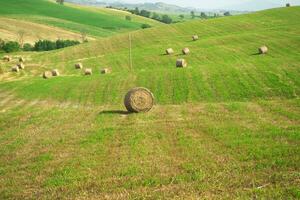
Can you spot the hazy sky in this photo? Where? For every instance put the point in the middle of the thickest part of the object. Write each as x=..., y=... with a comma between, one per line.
x=217, y=4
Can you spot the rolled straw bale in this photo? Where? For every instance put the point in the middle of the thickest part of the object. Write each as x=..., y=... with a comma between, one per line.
x=55, y=72
x=78, y=66
x=263, y=50
x=47, y=74
x=88, y=71
x=21, y=59
x=105, y=71
x=15, y=69
x=195, y=37
x=21, y=65
x=169, y=51
x=186, y=51
x=139, y=100
x=181, y=63
x=7, y=58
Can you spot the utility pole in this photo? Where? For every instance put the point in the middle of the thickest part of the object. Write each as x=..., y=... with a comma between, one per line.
x=130, y=53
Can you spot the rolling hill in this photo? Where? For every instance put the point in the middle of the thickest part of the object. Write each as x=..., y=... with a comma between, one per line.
x=64, y=19
x=225, y=127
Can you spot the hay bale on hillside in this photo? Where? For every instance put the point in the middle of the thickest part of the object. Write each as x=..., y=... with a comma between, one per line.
x=106, y=71
x=88, y=72
x=263, y=50
x=21, y=59
x=15, y=69
x=21, y=65
x=7, y=58
x=181, y=63
x=186, y=51
x=288, y=5
x=139, y=100
x=47, y=74
x=169, y=51
x=78, y=66
x=195, y=37
x=55, y=72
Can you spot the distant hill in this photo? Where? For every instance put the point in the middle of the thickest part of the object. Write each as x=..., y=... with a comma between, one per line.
x=42, y=19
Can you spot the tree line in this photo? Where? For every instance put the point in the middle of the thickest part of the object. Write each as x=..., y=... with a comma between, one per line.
x=41, y=45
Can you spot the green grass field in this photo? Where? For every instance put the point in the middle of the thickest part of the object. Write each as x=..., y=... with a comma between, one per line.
x=95, y=22
x=226, y=127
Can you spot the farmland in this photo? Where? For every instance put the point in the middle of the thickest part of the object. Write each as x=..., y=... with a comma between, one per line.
x=225, y=127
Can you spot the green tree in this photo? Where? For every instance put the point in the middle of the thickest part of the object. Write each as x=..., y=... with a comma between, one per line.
x=181, y=16
x=60, y=1
x=27, y=47
x=166, y=19
x=128, y=18
x=145, y=13
x=203, y=15
x=227, y=13
x=193, y=14
x=11, y=47
x=155, y=16
x=145, y=26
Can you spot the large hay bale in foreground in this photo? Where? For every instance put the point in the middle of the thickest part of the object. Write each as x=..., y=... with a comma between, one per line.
x=169, y=51
x=78, y=66
x=181, y=63
x=6, y=58
x=55, y=72
x=288, y=5
x=15, y=69
x=139, y=100
x=106, y=71
x=263, y=50
x=186, y=51
x=88, y=72
x=21, y=65
x=47, y=74
x=195, y=37
x=21, y=59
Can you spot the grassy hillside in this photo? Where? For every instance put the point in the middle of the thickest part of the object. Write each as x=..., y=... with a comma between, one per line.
x=68, y=17
x=226, y=127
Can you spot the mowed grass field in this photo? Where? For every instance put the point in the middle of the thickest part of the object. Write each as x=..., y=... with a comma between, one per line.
x=94, y=22
x=226, y=127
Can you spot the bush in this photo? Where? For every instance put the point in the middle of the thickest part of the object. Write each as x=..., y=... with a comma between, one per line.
x=128, y=18
x=47, y=45
x=166, y=19
x=27, y=47
x=11, y=47
x=145, y=26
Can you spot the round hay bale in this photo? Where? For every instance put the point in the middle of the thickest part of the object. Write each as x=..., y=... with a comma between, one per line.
x=15, y=69
x=263, y=50
x=105, y=71
x=55, y=72
x=186, y=51
x=78, y=66
x=195, y=37
x=21, y=59
x=288, y=5
x=7, y=58
x=181, y=63
x=47, y=74
x=139, y=100
x=88, y=72
x=21, y=65
x=169, y=51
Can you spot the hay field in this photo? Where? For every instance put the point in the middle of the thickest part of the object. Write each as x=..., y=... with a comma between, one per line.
x=225, y=127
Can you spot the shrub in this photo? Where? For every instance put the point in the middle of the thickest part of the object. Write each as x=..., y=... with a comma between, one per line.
x=27, y=47
x=145, y=26
x=11, y=46
x=166, y=19
x=47, y=45
x=128, y=18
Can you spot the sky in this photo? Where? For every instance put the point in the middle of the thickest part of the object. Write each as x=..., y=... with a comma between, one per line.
x=219, y=4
